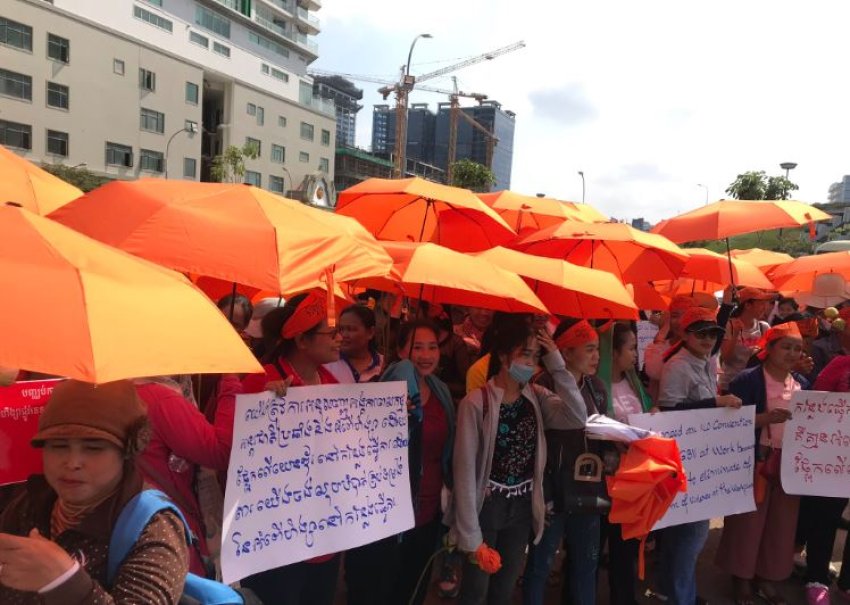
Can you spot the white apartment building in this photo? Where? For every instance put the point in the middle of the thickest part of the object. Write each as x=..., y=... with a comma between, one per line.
x=135, y=88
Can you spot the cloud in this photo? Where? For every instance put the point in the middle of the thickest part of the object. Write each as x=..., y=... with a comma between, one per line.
x=643, y=172
x=567, y=105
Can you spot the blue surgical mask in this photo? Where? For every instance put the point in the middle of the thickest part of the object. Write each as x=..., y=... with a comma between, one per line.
x=521, y=372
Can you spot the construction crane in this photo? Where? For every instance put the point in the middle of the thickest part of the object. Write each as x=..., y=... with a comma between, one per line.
x=455, y=113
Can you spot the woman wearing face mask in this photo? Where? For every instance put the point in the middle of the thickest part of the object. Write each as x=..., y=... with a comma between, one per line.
x=689, y=382
x=306, y=344
x=757, y=548
x=359, y=359
x=499, y=460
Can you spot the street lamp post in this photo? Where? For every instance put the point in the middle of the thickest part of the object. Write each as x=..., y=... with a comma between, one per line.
x=581, y=174
x=706, y=192
x=191, y=128
x=290, y=179
x=788, y=167
x=405, y=88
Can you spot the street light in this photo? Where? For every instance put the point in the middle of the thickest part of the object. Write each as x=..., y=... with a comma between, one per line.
x=406, y=85
x=581, y=174
x=788, y=167
x=191, y=128
x=290, y=178
x=706, y=192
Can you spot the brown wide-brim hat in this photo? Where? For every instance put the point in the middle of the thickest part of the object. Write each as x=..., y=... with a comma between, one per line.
x=79, y=410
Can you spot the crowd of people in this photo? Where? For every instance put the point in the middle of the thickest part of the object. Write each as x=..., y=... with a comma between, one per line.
x=497, y=411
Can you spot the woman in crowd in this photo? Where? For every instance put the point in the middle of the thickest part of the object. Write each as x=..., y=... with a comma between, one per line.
x=306, y=343
x=578, y=343
x=499, y=458
x=744, y=332
x=757, y=548
x=689, y=382
x=359, y=359
x=473, y=327
x=54, y=544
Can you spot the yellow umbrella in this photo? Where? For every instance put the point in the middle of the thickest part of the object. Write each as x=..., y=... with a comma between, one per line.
x=25, y=184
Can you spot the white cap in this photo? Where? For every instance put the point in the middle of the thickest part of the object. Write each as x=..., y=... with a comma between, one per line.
x=254, y=329
x=828, y=290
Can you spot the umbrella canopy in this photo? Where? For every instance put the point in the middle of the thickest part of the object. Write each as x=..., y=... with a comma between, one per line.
x=800, y=274
x=649, y=298
x=629, y=254
x=29, y=186
x=233, y=232
x=705, y=265
x=416, y=210
x=74, y=307
x=527, y=213
x=648, y=479
x=567, y=289
x=437, y=274
x=766, y=260
x=735, y=217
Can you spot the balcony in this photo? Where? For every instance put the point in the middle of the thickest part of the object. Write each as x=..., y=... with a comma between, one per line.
x=313, y=5
x=287, y=6
x=266, y=21
x=309, y=20
x=325, y=106
x=303, y=41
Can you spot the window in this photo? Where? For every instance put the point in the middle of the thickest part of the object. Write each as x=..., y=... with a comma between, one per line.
x=255, y=143
x=18, y=136
x=281, y=121
x=276, y=183
x=119, y=155
x=15, y=34
x=147, y=80
x=326, y=137
x=304, y=157
x=58, y=49
x=190, y=168
x=198, y=39
x=152, y=19
x=16, y=85
x=261, y=116
x=192, y=93
x=265, y=69
x=280, y=75
x=278, y=153
x=212, y=21
x=306, y=131
x=154, y=2
x=152, y=121
x=57, y=143
x=57, y=95
x=251, y=109
x=253, y=178
x=118, y=67
x=324, y=165
x=221, y=49
x=151, y=160
x=264, y=42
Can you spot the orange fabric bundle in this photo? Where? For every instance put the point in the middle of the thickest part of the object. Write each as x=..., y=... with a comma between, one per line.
x=578, y=335
x=309, y=314
x=488, y=559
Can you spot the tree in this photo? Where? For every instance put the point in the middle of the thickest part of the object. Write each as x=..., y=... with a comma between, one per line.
x=779, y=188
x=79, y=177
x=229, y=167
x=472, y=175
x=756, y=185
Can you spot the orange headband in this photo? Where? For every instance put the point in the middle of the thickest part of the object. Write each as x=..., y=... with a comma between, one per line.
x=577, y=335
x=787, y=330
x=308, y=314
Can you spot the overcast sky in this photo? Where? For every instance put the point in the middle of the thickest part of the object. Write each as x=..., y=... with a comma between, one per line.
x=647, y=97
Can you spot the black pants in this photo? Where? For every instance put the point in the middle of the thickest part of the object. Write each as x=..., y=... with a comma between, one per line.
x=817, y=526
x=622, y=563
x=297, y=584
x=417, y=547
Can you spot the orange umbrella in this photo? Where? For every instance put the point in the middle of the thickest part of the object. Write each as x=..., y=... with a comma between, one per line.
x=706, y=265
x=29, y=186
x=416, y=210
x=430, y=272
x=766, y=260
x=647, y=297
x=629, y=254
x=98, y=314
x=526, y=213
x=799, y=275
x=232, y=232
x=568, y=289
x=726, y=218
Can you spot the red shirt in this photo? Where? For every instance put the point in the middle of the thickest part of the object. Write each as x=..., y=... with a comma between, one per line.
x=435, y=431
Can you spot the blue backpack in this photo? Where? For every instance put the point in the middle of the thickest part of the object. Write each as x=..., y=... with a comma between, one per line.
x=133, y=520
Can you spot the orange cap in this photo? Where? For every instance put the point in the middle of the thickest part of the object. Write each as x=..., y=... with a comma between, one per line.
x=694, y=315
x=308, y=314
x=745, y=294
x=786, y=330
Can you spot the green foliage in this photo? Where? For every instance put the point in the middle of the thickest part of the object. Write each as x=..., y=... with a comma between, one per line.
x=756, y=185
x=779, y=188
x=229, y=167
x=79, y=177
x=472, y=175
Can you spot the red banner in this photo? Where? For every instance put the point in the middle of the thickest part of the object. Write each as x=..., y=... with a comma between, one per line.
x=21, y=405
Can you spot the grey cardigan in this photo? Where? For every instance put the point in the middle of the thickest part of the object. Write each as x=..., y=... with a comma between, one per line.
x=475, y=442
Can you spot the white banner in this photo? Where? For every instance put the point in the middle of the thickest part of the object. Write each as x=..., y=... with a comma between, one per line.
x=319, y=471
x=717, y=451
x=646, y=332
x=816, y=445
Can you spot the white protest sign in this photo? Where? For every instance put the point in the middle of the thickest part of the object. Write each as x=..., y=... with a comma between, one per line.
x=646, y=332
x=816, y=445
x=319, y=471
x=717, y=447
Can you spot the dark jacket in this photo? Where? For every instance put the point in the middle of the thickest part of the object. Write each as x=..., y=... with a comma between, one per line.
x=751, y=387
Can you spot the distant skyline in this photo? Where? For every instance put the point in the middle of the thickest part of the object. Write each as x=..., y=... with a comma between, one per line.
x=647, y=98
